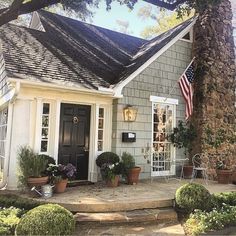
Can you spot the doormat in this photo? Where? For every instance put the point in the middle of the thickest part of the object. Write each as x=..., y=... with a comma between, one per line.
x=75, y=183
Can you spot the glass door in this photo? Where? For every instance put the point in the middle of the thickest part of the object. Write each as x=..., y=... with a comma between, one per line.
x=162, y=150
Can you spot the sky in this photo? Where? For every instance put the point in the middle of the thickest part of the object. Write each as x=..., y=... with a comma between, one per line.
x=120, y=18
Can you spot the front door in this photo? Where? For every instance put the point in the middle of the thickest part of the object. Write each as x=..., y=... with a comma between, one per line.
x=74, y=138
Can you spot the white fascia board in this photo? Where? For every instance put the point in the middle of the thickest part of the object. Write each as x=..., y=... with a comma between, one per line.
x=164, y=100
x=7, y=97
x=59, y=87
x=118, y=88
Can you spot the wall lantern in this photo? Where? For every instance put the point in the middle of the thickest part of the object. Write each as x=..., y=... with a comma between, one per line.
x=130, y=113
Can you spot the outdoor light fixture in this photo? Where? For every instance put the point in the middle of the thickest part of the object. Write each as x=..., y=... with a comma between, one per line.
x=130, y=113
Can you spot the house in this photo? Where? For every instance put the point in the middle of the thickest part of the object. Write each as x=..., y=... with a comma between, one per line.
x=71, y=90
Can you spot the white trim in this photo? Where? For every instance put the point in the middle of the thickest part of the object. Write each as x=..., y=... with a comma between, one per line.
x=191, y=36
x=164, y=100
x=118, y=88
x=57, y=129
x=38, y=126
x=7, y=97
x=37, y=84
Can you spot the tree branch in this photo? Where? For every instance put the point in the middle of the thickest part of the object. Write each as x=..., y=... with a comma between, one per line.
x=17, y=8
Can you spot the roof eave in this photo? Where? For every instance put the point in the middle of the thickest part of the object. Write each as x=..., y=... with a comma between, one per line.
x=119, y=87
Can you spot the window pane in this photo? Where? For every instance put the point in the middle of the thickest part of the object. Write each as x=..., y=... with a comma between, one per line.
x=100, y=145
x=44, y=146
x=45, y=121
x=100, y=124
x=101, y=112
x=46, y=108
x=45, y=133
x=100, y=134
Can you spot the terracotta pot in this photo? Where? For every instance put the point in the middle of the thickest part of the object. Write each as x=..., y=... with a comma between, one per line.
x=224, y=176
x=133, y=175
x=37, y=181
x=60, y=186
x=187, y=172
x=113, y=182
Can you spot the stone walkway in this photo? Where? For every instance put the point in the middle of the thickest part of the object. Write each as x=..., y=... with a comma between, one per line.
x=131, y=229
x=99, y=198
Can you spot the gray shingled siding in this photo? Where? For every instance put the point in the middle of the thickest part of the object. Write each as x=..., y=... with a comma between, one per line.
x=157, y=80
x=3, y=84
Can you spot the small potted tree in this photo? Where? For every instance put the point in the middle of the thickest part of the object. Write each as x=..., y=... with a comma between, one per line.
x=182, y=137
x=130, y=171
x=32, y=167
x=106, y=159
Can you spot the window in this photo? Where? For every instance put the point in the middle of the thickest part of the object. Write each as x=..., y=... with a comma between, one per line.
x=45, y=128
x=101, y=129
x=163, y=121
x=3, y=134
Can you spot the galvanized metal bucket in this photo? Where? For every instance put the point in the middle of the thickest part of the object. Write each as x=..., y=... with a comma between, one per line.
x=47, y=191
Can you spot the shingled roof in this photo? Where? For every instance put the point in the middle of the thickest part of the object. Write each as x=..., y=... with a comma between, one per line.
x=76, y=53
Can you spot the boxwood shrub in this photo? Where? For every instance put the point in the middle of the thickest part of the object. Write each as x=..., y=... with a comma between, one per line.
x=48, y=219
x=193, y=196
x=8, y=200
x=107, y=157
x=220, y=199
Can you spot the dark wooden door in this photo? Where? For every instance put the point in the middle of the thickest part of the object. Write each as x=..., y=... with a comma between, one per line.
x=74, y=138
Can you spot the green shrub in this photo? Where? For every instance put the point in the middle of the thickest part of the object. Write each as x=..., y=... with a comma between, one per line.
x=218, y=200
x=193, y=196
x=107, y=158
x=30, y=165
x=8, y=200
x=48, y=219
x=203, y=222
x=128, y=162
x=9, y=218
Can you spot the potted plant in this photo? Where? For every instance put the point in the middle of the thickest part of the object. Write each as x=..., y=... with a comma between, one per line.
x=107, y=158
x=59, y=175
x=182, y=137
x=130, y=171
x=32, y=167
x=223, y=172
x=223, y=161
x=112, y=173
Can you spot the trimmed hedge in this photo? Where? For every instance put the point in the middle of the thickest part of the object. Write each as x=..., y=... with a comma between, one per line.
x=193, y=196
x=219, y=200
x=8, y=200
x=107, y=157
x=48, y=219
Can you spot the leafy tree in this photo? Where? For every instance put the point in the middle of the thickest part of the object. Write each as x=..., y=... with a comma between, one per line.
x=164, y=21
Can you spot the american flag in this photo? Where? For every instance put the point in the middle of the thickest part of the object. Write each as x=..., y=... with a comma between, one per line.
x=185, y=83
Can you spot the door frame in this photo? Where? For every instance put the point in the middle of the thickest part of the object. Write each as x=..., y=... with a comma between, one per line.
x=174, y=102
x=92, y=168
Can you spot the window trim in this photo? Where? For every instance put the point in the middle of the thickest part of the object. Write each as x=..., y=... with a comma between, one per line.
x=49, y=127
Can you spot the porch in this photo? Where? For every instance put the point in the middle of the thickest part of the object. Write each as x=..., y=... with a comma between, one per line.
x=146, y=195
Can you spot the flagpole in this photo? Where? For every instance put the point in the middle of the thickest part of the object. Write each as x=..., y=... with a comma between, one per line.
x=172, y=89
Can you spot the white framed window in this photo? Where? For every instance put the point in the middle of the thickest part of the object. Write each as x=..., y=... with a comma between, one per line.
x=101, y=122
x=45, y=127
x=3, y=135
x=163, y=122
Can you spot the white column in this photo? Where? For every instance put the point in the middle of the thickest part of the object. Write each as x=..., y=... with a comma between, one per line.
x=38, y=125
x=57, y=129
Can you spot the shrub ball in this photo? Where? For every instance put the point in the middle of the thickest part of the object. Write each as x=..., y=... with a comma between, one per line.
x=193, y=196
x=107, y=158
x=48, y=219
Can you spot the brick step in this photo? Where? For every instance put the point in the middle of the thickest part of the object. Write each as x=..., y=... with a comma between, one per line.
x=159, y=215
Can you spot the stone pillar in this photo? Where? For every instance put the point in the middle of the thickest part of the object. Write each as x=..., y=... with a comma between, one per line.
x=214, y=86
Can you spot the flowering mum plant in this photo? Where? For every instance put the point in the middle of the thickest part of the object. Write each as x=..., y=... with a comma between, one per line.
x=111, y=170
x=58, y=172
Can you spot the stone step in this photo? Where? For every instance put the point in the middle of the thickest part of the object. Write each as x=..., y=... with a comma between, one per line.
x=101, y=205
x=145, y=215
